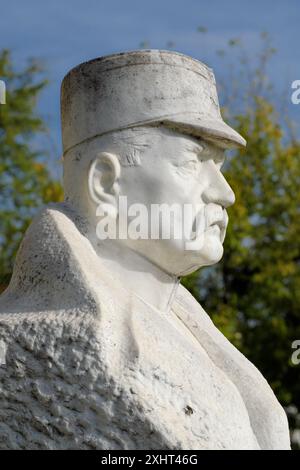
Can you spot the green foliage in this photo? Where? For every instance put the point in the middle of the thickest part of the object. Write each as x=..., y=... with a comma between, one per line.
x=25, y=183
x=253, y=294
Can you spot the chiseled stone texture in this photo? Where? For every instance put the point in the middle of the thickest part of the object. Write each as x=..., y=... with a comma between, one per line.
x=56, y=392
x=86, y=365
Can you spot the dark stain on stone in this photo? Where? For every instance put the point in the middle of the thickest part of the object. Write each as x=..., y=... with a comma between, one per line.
x=188, y=410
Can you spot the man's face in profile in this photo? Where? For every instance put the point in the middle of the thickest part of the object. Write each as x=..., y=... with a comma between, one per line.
x=178, y=169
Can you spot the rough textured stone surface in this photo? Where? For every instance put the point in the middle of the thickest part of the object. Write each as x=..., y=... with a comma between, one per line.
x=89, y=366
x=100, y=348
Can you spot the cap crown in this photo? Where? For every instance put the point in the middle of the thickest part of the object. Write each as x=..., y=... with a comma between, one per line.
x=134, y=88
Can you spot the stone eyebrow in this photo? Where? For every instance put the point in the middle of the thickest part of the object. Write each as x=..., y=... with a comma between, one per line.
x=206, y=150
x=212, y=151
x=193, y=147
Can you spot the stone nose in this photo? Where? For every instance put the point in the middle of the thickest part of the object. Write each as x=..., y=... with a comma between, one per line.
x=218, y=190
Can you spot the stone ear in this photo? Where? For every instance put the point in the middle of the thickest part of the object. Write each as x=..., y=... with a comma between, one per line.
x=103, y=178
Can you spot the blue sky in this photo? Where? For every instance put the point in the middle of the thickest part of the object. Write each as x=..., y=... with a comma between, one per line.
x=63, y=33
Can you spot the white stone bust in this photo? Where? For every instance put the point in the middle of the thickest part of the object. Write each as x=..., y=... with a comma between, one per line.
x=104, y=348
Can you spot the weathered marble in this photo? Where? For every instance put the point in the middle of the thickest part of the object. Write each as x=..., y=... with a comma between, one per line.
x=89, y=365
x=100, y=347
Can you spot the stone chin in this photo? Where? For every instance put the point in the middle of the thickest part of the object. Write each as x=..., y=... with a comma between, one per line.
x=211, y=253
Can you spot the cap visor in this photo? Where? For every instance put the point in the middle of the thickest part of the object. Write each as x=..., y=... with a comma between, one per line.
x=215, y=130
